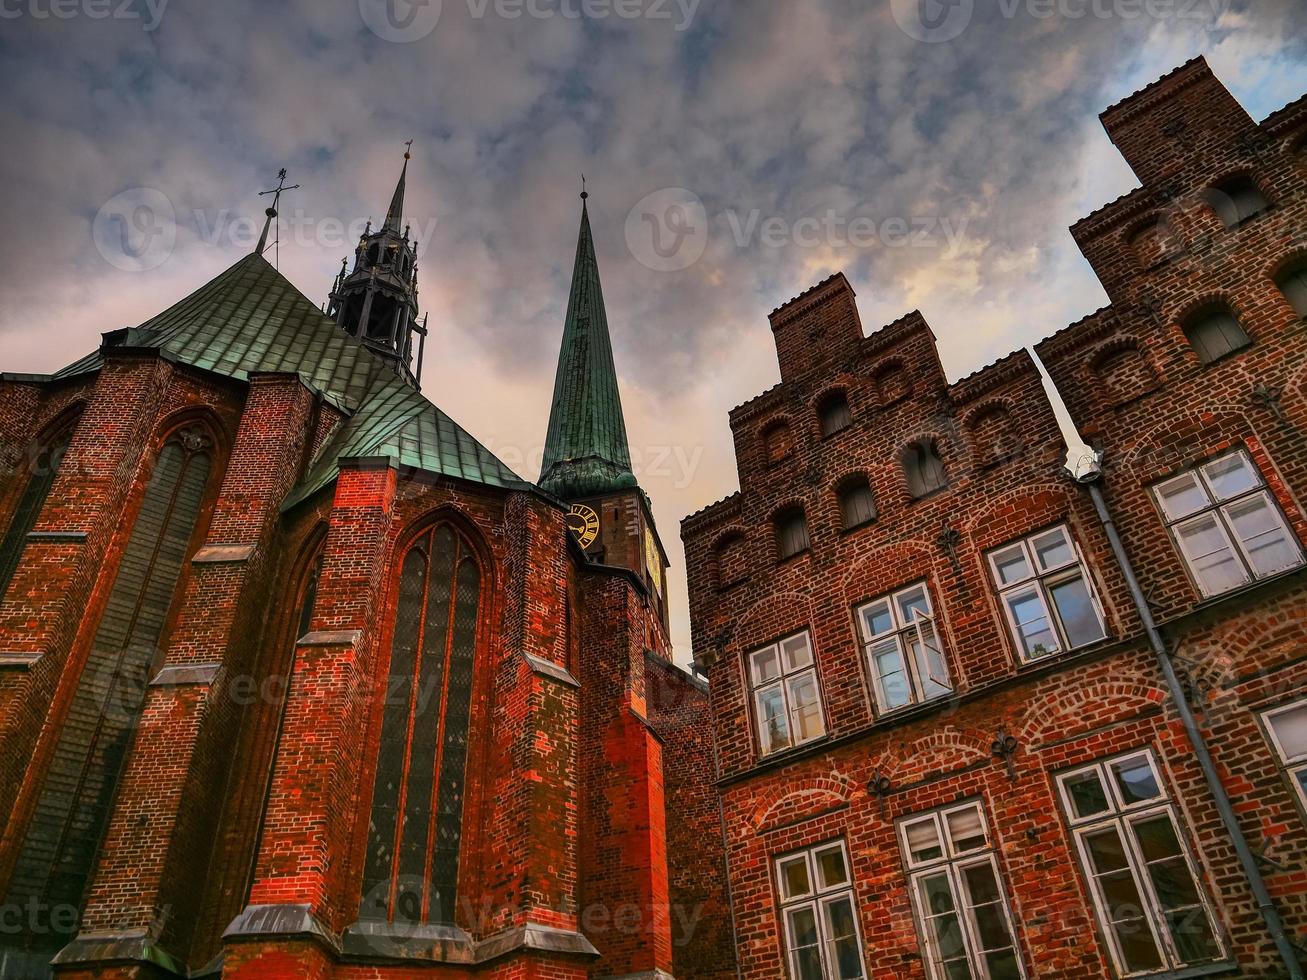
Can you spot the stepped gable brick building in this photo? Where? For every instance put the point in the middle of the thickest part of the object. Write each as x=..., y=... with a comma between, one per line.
x=298, y=680
x=951, y=741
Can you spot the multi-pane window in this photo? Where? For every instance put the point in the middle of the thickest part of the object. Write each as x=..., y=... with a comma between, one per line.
x=1044, y=589
x=818, y=914
x=904, y=656
x=962, y=912
x=1228, y=528
x=410, y=870
x=1287, y=727
x=1141, y=876
x=786, y=700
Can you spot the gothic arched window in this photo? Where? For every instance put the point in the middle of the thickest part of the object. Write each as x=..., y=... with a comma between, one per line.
x=72, y=810
x=410, y=872
x=43, y=467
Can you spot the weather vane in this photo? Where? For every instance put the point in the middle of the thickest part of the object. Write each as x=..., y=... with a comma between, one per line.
x=271, y=213
x=585, y=194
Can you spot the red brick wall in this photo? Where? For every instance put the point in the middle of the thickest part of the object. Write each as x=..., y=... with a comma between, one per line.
x=1106, y=698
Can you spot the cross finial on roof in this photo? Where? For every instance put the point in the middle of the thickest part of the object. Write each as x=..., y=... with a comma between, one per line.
x=271, y=213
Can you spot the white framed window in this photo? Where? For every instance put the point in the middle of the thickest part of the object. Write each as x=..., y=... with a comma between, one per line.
x=905, y=660
x=786, y=699
x=818, y=914
x=1228, y=528
x=1150, y=906
x=1046, y=595
x=957, y=895
x=1287, y=728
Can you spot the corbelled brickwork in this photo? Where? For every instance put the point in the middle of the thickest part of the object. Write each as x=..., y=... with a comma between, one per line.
x=1011, y=725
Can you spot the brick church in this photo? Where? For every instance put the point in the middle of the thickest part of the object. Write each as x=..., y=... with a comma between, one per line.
x=298, y=680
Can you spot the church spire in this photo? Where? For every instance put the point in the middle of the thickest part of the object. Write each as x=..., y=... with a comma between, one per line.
x=395, y=213
x=586, y=451
x=378, y=301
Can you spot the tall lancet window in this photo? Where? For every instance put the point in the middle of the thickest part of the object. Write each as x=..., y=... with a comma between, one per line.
x=43, y=467
x=72, y=810
x=410, y=871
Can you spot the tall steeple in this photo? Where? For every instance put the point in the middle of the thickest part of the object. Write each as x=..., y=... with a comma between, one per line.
x=395, y=213
x=586, y=452
x=378, y=301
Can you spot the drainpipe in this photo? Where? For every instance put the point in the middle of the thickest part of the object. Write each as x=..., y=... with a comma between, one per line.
x=1090, y=476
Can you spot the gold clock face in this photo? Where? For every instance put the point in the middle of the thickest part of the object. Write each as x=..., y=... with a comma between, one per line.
x=653, y=561
x=584, y=523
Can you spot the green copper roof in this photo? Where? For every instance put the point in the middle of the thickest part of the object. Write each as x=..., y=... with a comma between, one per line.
x=251, y=319
x=586, y=452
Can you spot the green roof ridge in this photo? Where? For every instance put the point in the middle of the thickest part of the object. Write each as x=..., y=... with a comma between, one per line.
x=586, y=450
x=250, y=319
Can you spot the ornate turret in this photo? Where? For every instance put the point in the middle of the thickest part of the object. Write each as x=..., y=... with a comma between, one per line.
x=378, y=301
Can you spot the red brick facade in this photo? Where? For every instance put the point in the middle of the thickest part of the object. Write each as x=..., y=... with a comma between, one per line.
x=1005, y=727
x=236, y=837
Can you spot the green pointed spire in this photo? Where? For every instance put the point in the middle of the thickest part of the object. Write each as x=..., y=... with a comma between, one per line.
x=395, y=214
x=586, y=452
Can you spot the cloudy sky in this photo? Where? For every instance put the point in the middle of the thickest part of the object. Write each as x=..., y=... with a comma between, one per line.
x=736, y=152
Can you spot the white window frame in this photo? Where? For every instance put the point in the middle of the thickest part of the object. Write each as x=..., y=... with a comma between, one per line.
x=952, y=862
x=1293, y=766
x=1216, y=508
x=817, y=898
x=902, y=633
x=1043, y=579
x=791, y=672
x=1121, y=816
